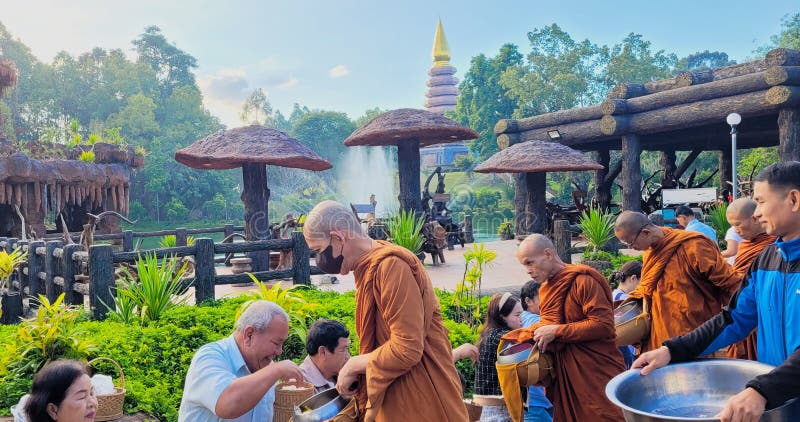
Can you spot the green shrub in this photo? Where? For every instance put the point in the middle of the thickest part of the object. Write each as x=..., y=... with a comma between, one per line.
x=405, y=229
x=156, y=288
x=597, y=227
x=87, y=157
x=719, y=220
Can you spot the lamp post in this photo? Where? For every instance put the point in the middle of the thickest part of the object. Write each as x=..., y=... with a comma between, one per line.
x=734, y=119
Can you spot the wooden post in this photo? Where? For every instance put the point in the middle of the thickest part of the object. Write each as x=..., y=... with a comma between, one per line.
x=631, y=173
x=602, y=189
x=789, y=134
x=535, y=184
x=301, y=255
x=228, y=230
x=468, y=234
x=36, y=264
x=520, y=199
x=562, y=238
x=408, y=171
x=726, y=170
x=127, y=240
x=51, y=268
x=101, y=279
x=181, y=237
x=11, y=305
x=204, y=273
x=69, y=270
x=22, y=279
x=256, y=216
x=668, y=168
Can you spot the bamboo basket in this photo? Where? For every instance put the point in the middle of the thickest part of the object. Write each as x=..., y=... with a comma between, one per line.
x=286, y=400
x=109, y=406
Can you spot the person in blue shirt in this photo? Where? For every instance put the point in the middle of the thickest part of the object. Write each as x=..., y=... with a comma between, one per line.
x=627, y=278
x=234, y=378
x=685, y=217
x=539, y=408
x=768, y=300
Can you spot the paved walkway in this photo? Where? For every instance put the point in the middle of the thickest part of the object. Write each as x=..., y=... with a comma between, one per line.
x=505, y=273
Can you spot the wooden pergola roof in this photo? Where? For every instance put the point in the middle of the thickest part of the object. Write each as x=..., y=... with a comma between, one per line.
x=686, y=112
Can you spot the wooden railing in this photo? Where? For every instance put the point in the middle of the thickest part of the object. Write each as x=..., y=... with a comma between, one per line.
x=53, y=268
x=128, y=237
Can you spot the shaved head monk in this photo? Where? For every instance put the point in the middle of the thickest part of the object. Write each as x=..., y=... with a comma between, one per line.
x=684, y=277
x=577, y=326
x=740, y=214
x=405, y=367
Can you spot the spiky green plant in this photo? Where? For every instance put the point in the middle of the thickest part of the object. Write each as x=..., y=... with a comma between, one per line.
x=405, y=229
x=157, y=287
x=719, y=220
x=298, y=309
x=9, y=263
x=170, y=241
x=597, y=226
x=87, y=157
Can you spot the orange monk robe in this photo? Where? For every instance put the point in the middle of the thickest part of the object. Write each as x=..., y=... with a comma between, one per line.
x=747, y=253
x=410, y=371
x=584, y=350
x=687, y=281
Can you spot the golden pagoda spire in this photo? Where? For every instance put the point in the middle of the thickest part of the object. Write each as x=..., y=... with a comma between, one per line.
x=441, y=52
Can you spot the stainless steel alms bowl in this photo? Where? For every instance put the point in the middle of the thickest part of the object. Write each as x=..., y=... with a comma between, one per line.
x=320, y=407
x=514, y=353
x=693, y=391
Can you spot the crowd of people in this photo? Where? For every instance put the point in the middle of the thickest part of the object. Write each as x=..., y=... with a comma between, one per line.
x=700, y=305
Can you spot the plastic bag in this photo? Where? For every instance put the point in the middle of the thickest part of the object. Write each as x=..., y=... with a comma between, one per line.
x=103, y=384
x=18, y=410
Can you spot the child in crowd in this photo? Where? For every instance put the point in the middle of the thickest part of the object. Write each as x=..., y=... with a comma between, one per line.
x=503, y=315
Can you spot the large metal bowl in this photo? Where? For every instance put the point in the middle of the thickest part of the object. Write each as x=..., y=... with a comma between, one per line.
x=320, y=407
x=514, y=353
x=693, y=391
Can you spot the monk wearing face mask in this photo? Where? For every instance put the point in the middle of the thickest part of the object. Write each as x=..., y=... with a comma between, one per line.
x=405, y=367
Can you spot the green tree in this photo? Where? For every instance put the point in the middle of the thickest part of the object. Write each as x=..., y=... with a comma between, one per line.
x=172, y=65
x=559, y=73
x=703, y=60
x=324, y=132
x=369, y=115
x=176, y=211
x=256, y=108
x=137, y=120
x=789, y=37
x=633, y=61
x=483, y=100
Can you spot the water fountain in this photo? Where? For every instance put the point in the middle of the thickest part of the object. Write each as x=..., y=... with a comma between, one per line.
x=366, y=171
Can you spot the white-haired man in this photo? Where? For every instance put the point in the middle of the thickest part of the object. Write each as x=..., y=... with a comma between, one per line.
x=234, y=378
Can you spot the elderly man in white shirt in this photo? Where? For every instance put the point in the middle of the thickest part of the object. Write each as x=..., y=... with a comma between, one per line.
x=234, y=378
x=328, y=347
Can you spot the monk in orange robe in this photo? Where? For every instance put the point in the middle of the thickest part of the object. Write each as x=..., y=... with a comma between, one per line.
x=684, y=276
x=405, y=368
x=577, y=326
x=740, y=216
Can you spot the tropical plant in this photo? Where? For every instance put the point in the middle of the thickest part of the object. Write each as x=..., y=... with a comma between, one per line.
x=597, y=226
x=52, y=334
x=506, y=228
x=466, y=300
x=405, y=230
x=170, y=241
x=719, y=220
x=9, y=263
x=298, y=309
x=87, y=157
x=157, y=287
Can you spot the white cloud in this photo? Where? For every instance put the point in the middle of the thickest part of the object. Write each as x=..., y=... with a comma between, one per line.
x=288, y=83
x=338, y=71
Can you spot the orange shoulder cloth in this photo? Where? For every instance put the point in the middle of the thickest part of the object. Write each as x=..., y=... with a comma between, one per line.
x=553, y=295
x=749, y=250
x=655, y=259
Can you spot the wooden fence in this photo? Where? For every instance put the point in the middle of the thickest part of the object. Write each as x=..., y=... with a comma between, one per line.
x=128, y=237
x=53, y=268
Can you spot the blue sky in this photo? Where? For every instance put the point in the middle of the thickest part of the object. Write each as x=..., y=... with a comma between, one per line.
x=351, y=55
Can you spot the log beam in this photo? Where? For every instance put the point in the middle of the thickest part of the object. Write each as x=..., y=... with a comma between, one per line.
x=560, y=117
x=570, y=134
x=782, y=75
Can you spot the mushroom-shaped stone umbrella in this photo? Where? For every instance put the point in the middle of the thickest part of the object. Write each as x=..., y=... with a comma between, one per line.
x=409, y=129
x=251, y=148
x=535, y=159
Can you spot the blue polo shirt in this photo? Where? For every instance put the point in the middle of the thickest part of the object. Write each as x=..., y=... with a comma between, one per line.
x=697, y=226
x=214, y=367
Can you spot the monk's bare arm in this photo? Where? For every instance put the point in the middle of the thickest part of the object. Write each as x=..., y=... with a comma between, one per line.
x=402, y=308
x=599, y=322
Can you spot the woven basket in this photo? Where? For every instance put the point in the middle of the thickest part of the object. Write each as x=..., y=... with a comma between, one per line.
x=473, y=410
x=109, y=406
x=286, y=400
x=635, y=330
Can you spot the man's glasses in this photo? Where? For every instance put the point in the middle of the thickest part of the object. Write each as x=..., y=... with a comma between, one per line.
x=628, y=245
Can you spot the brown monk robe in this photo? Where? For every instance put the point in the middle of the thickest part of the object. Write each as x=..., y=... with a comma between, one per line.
x=405, y=368
x=740, y=216
x=683, y=275
x=576, y=303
